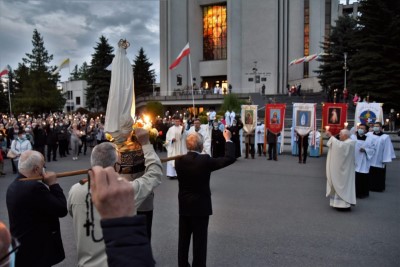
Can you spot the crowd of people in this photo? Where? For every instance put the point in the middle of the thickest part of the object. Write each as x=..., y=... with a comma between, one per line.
x=55, y=135
x=108, y=209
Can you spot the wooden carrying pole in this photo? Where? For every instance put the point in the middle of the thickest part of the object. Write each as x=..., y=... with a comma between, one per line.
x=79, y=172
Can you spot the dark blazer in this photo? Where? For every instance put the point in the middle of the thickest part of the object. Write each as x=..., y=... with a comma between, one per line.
x=126, y=241
x=34, y=212
x=194, y=171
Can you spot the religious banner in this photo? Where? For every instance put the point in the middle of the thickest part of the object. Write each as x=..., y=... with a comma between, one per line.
x=274, y=117
x=368, y=113
x=249, y=117
x=304, y=118
x=334, y=116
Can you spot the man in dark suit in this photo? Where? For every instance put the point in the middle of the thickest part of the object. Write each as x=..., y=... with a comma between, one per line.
x=194, y=171
x=34, y=209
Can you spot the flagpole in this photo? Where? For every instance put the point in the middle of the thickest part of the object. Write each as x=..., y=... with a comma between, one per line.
x=191, y=82
x=9, y=93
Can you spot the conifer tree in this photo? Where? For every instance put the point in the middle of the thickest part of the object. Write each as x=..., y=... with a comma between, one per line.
x=375, y=66
x=331, y=71
x=37, y=91
x=143, y=76
x=99, y=78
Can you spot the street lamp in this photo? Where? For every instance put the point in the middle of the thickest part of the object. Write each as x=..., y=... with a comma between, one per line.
x=345, y=69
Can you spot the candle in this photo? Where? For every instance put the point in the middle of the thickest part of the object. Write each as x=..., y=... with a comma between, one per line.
x=327, y=128
x=346, y=124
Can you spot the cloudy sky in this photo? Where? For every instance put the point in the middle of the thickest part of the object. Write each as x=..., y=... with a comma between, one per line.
x=71, y=28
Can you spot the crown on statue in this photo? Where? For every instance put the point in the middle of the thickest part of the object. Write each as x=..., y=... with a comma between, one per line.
x=123, y=43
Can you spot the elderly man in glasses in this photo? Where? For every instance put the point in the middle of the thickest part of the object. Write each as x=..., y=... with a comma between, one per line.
x=34, y=209
x=89, y=238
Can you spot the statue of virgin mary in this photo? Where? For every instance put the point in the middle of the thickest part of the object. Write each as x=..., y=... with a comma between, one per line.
x=121, y=98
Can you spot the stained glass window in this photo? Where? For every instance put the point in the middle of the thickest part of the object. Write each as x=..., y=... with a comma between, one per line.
x=214, y=32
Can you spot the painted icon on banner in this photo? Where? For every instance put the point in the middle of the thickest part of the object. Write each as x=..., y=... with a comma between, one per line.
x=275, y=116
x=334, y=115
x=249, y=115
x=303, y=118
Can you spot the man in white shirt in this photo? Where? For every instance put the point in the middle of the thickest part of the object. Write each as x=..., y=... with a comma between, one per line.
x=92, y=253
x=204, y=130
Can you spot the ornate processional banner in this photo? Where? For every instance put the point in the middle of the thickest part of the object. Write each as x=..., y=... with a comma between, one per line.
x=275, y=117
x=368, y=113
x=304, y=120
x=249, y=117
x=334, y=115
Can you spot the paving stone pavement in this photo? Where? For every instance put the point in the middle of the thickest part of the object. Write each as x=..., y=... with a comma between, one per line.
x=266, y=213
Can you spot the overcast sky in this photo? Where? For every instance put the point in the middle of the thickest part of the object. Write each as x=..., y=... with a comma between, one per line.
x=71, y=29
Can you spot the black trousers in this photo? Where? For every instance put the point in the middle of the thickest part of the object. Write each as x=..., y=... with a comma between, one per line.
x=51, y=149
x=260, y=148
x=63, y=147
x=377, y=179
x=250, y=149
x=198, y=227
x=149, y=220
x=362, y=185
x=302, y=144
x=272, y=150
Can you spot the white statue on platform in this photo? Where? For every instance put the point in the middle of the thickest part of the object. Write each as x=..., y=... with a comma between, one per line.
x=121, y=98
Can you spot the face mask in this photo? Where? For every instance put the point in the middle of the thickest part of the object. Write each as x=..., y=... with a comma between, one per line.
x=360, y=131
x=376, y=129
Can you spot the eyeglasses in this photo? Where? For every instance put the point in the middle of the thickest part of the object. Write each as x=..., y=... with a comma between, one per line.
x=14, y=247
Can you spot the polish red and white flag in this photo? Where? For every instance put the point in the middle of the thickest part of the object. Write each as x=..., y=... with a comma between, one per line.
x=185, y=51
x=4, y=71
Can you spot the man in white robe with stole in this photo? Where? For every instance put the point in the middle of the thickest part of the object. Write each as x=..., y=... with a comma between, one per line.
x=364, y=151
x=340, y=171
x=384, y=153
x=175, y=144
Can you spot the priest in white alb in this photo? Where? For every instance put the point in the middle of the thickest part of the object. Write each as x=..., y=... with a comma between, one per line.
x=204, y=130
x=340, y=171
x=175, y=142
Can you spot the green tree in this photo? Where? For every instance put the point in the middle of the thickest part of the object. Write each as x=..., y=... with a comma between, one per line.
x=74, y=74
x=143, y=76
x=37, y=89
x=154, y=108
x=331, y=71
x=4, y=107
x=84, y=71
x=98, y=77
x=375, y=66
x=232, y=102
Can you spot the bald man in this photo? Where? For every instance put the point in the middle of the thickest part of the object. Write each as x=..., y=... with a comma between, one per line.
x=340, y=171
x=34, y=209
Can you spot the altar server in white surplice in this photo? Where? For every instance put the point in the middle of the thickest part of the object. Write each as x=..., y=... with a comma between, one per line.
x=365, y=150
x=233, y=117
x=340, y=171
x=228, y=118
x=176, y=145
x=384, y=153
x=260, y=131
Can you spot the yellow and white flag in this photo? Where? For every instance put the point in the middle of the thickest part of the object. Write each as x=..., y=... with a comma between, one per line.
x=63, y=64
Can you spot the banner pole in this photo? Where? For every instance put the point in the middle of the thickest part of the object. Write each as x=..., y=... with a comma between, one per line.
x=191, y=83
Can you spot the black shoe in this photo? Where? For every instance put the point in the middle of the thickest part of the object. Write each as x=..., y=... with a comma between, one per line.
x=299, y=161
x=275, y=159
x=54, y=160
x=49, y=160
x=304, y=161
x=269, y=159
x=172, y=177
x=2, y=173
